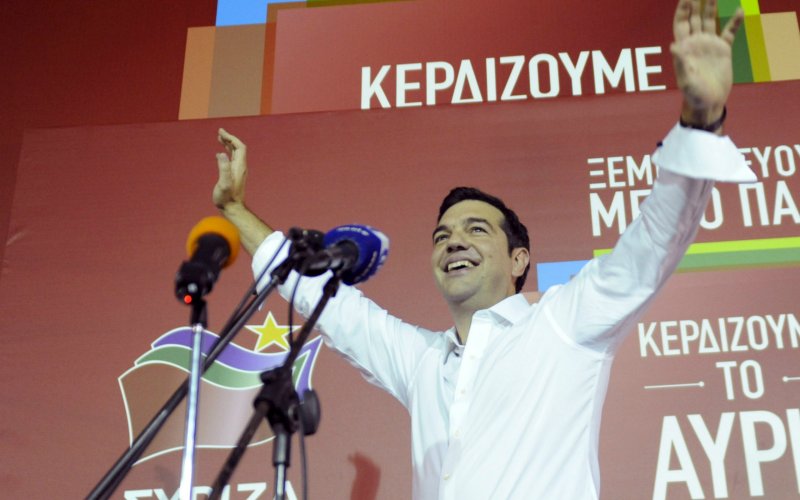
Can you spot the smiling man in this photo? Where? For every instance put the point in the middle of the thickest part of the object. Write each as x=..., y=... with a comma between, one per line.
x=507, y=403
x=481, y=254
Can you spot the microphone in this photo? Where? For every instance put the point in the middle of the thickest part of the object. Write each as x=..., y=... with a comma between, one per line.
x=212, y=245
x=356, y=250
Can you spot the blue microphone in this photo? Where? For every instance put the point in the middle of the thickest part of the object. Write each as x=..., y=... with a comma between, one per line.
x=358, y=251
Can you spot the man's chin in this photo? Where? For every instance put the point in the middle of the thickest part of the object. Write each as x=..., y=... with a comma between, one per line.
x=459, y=295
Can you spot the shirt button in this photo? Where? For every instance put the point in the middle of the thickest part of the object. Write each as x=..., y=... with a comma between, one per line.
x=457, y=434
x=446, y=476
x=462, y=392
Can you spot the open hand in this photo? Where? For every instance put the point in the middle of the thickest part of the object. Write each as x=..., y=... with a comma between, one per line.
x=702, y=58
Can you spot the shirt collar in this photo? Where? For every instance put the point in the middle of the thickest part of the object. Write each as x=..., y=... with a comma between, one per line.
x=511, y=310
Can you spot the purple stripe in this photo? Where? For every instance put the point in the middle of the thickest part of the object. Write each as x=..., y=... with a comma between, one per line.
x=234, y=355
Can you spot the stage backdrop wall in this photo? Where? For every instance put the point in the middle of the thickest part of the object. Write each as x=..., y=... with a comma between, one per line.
x=703, y=396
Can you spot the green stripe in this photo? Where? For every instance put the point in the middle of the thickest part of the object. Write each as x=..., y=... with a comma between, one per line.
x=219, y=374
x=753, y=258
x=734, y=246
x=745, y=245
x=742, y=67
x=726, y=8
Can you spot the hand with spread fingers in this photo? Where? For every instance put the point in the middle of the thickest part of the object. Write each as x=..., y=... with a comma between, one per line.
x=703, y=61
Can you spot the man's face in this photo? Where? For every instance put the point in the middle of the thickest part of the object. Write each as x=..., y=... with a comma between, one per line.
x=471, y=261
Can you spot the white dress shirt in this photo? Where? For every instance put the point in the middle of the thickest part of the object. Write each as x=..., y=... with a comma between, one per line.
x=515, y=413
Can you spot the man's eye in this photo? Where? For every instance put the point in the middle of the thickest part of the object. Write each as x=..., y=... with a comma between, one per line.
x=439, y=237
x=477, y=229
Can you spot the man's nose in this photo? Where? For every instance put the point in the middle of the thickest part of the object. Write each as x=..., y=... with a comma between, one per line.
x=456, y=242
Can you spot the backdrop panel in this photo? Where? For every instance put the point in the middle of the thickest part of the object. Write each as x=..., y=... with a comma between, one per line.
x=102, y=215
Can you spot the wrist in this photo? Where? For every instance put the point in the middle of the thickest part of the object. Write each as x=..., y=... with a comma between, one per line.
x=232, y=209
x=708, y=119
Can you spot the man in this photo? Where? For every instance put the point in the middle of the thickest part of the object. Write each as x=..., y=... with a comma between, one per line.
x=507, y=404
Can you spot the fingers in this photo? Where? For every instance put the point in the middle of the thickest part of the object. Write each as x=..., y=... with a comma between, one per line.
x=230, y=141
x=729, y=31
x=680, y=25
x=710, y=17
x=691, y=18
x=695, y=21
x=223, y=162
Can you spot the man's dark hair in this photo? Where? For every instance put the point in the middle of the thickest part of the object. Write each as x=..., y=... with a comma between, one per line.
x=516, y=232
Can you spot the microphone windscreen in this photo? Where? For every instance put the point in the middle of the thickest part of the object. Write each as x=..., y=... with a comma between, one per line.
x=214, y=225
x=373, y=248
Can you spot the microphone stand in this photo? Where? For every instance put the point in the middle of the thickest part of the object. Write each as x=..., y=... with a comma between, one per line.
x=198, y=320
x=279, y=404
x=111, y=480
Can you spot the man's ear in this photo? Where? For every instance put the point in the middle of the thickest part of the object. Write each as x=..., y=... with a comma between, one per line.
x=520, y=257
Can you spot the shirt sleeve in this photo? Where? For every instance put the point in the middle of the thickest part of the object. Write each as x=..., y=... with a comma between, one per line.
x=386, y=350
x=601, y=304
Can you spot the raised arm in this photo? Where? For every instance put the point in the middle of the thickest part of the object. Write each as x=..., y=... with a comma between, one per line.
x=228, y=195
x=702, y=60
x=601, y=304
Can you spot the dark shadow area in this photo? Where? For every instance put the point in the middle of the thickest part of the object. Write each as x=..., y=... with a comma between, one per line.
x=368, y=477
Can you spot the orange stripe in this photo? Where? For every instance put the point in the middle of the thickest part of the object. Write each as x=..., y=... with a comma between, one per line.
x=238, y=70
x=198, y=62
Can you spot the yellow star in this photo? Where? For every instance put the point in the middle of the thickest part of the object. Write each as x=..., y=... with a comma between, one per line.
x=270, y=333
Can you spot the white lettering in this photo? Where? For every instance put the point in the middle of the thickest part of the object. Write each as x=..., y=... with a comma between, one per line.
x=672, y=439
x=575, y=71
x=738, y=322
x=763, y=159
x=715, y=448
x=508, y=91
x=404, y=86
x=727, y=367
x=754, y=456
x=136, y=494
x=533, y=71
x=603, y=71
x=715, y=206
x=372, y=88
x=757, y=377
x=491, y=80
x=615, y=213
x=257, y=489
x=432, y=85
x=643, y=70
x=793, y=418
x=466, y=74
x=708, y=339
x=784, y=204
x=668, y=337
x=638, y=172
x=784, y=154
x=646, y=340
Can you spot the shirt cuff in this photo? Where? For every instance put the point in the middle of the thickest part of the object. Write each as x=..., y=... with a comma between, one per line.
x=702, y=155
x=264, y=254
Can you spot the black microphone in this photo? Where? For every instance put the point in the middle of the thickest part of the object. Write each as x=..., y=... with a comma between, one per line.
x=212, y=245
x=355, y=250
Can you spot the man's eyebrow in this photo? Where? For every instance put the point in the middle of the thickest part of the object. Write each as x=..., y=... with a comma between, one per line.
x=473, y=220
x=440, y=227
x=467, y=222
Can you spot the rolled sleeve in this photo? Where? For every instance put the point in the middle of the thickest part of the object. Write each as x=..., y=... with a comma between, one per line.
x=702, y=155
